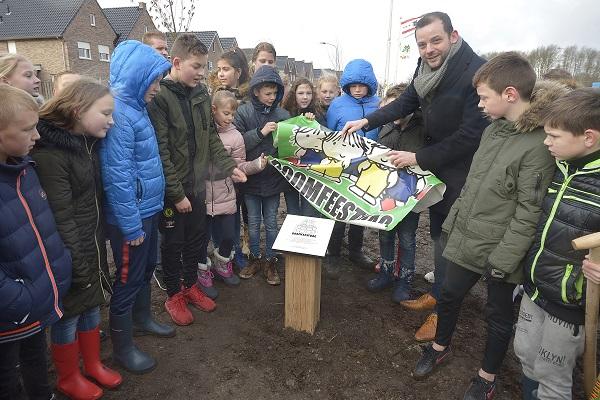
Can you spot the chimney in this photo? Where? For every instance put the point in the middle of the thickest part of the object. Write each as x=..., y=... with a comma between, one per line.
x=142, y=5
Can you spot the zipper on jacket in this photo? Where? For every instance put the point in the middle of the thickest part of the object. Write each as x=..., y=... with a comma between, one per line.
x=40, y=243
x=559, y=196
x=563, y=284
x=98, y=253
x=538, y=186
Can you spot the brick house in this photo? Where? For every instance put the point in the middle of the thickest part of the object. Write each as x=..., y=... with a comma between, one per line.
x=213, y=44
x=130, y=22
x=228, y=43
x=59, y=35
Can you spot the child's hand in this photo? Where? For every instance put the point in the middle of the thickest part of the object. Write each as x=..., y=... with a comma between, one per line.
x=136, y=242
x=238, y=175
x=310, y=116
x=184, y=206
x=591, y=270
x=263, y=161
x=268, y=128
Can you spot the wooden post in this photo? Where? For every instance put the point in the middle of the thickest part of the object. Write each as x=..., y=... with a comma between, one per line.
x=302, y=292
x=592, y=296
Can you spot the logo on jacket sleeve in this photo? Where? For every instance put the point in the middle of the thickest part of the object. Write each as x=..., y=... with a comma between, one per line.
x=43, y=194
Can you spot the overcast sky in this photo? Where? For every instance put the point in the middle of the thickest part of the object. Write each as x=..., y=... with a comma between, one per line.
x=360, y=28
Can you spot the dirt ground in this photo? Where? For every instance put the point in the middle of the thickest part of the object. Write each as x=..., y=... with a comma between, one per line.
x=363, y=347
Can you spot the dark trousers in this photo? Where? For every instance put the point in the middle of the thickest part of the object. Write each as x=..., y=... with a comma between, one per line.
x=135, y=264
x=222, y=228
x=499, y=314
x=183, y=237
x=436, y=221
x=30, y=353
x=355, y=238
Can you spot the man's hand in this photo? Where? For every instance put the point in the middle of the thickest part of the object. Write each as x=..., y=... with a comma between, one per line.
x=184, y=206
x=402, y=159
x=137, y=242
x=591, y=270
x=268, y=128
x=353, y=126
x=238, y=176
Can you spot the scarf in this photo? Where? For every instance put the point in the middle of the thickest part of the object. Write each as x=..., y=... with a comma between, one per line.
x=427, y=79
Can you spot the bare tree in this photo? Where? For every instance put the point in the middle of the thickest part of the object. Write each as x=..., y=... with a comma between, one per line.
x=172, y=16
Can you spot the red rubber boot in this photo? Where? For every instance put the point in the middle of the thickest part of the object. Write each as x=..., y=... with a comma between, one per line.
x=89, y=346
x=70, y=381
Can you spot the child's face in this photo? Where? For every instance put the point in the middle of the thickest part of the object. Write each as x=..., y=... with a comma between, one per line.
x=18, y=137
x=563, y=145
x=97, y=119
x=264, y=58
x=191, y=71
x=304, y=95
x=327, y=92
x=227, y=75
x=491, y=103
x=24, y=78
x=152, y=90
x=266, y=95
x=358, y=90
x=223, y=114
x=387, y=101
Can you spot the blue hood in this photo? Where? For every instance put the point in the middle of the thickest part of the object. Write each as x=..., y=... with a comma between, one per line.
x=359, y=71
x=262, y=75
x=133, y=68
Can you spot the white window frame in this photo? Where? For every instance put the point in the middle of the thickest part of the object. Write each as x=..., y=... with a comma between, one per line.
x=12, y=47
x=92, y=20
x=210, y=65
x=146, y=30
x=103, y=50
x=84, y=46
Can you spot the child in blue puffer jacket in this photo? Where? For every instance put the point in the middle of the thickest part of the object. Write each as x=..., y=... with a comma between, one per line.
x=359, y=99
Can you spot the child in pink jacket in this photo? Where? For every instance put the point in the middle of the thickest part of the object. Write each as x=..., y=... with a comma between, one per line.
x=221, y=200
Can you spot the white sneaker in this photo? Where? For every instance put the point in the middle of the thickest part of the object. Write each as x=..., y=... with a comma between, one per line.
x=430, y=277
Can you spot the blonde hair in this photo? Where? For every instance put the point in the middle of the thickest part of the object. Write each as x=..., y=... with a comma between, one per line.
x=64, y=108
x=328, y=78
x=13, y=101
x=224, y=97
x=8, y=64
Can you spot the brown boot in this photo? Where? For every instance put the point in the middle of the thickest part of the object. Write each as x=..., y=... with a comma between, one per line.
x=270, y=271
x=426, y=332
x=253, y=267
x=424, y=303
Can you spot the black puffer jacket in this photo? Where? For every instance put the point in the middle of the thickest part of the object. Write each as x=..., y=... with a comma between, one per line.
x=409, y=138
x=250, y=118
x=67, y=165
x=571, y=209
x=453, y=123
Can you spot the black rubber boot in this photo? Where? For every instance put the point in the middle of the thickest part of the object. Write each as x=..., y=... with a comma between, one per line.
x=143, y=322
x=124, y=351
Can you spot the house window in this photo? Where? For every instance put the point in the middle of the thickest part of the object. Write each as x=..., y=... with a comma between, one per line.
x=92, y=20
x=146, y=28
x=104, y=52
x=84, y=50
x=210, y=65
x=12, y=47
x=213, y=47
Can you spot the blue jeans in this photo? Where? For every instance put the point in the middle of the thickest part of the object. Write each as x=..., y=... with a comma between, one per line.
x=292, y=201
x=265, y=209
x=406, y=231
x=65, y=330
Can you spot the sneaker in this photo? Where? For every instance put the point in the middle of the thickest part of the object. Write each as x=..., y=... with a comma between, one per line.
x=194, y=296
x=401, y=291
x=270, y=272
x=383, y=280
x=480, y=389
x=254, y=266
x=205, y=281
x=429, y=360
x=430, y=277
x=177, y=308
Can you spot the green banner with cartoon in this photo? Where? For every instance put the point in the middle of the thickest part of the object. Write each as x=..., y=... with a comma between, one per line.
x=348, y=177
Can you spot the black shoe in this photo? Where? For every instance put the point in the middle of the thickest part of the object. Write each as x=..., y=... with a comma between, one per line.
x=480, y=389
x=360, y=259
x=331, y=267
x=429, y=360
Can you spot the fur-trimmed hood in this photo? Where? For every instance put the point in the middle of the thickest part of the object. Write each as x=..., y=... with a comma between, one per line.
x=54, y=136
x=544, y=93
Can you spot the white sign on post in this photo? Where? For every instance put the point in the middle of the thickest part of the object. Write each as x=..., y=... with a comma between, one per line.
x=304, y=235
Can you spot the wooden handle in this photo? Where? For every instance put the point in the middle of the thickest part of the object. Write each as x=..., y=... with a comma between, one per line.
x=586, y=242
